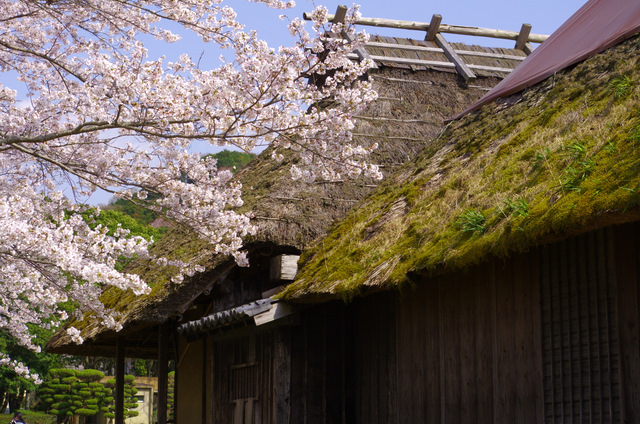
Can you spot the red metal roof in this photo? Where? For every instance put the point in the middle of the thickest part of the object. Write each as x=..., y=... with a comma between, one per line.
x=596, y=26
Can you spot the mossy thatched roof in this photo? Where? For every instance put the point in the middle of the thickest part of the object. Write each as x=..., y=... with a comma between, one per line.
x=560, y=159
x=290, y=216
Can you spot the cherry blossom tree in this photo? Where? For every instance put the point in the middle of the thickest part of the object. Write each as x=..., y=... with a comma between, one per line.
x=100, y=114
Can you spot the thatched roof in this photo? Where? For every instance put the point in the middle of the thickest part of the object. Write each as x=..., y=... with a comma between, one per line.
x=290, y=216
x=559, y=159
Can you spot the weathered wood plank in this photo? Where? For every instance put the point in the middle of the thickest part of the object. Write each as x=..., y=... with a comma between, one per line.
x=413, y=48
x=489, y=68
x=316, y=367
x=408, y=47
x=626, y=264
x=408, y=61
x=505, y=399
x=489, y=55
x=334, y=384
x=283, y=267
x=409, y=349
x=467, y=346
x=526, y=355
x=528, y=48
x=298, y=373
x=460, y=65
x=429, y=332
x=282, y=375
x=238, y=413
x=483, y=296
x=451, y=343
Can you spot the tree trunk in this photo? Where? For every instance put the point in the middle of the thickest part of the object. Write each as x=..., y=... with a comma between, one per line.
x=15, y=400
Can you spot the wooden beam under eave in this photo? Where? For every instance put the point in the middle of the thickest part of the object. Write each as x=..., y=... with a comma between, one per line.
x=119, y=395
x=460, y=65
x=163, y=371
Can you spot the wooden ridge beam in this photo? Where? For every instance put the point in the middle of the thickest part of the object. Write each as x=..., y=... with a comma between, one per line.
x=444, y=28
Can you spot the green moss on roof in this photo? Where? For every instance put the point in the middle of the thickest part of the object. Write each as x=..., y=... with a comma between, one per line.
x=554, y=161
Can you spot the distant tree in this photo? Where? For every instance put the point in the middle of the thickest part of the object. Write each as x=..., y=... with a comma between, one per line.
x=171, y=410
x=88, y=394
x=55, y=393
x=232, y=159
x=130, y=399
x=13, y=386
x=67, y=392
x=141, y=214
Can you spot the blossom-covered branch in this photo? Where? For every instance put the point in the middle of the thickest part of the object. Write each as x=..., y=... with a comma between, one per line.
x=100, y=113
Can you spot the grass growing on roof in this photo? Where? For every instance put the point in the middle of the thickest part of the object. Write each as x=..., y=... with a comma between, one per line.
x=564, y=156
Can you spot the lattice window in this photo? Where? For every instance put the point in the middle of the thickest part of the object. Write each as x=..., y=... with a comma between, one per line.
x=581, y=352
x=244, y=381
x=243, y=391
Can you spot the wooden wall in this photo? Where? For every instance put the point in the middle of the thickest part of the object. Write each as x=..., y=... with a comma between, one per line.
x=189, y=380
x=268, y=375
x=468, y=348
x=550, y=336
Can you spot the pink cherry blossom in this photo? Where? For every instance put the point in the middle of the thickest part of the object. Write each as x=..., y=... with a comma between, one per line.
x=101, y=114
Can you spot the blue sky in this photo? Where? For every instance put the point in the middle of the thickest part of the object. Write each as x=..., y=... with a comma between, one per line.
x=545, y=16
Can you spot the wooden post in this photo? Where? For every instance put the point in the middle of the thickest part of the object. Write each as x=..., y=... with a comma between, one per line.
x=523, y=36
x=341, y=13
x=282, y=375
x=176, y=392
x=461, y=66
x=163, y=371
x=434, y=27
x=203, y=389
x=119, y=395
